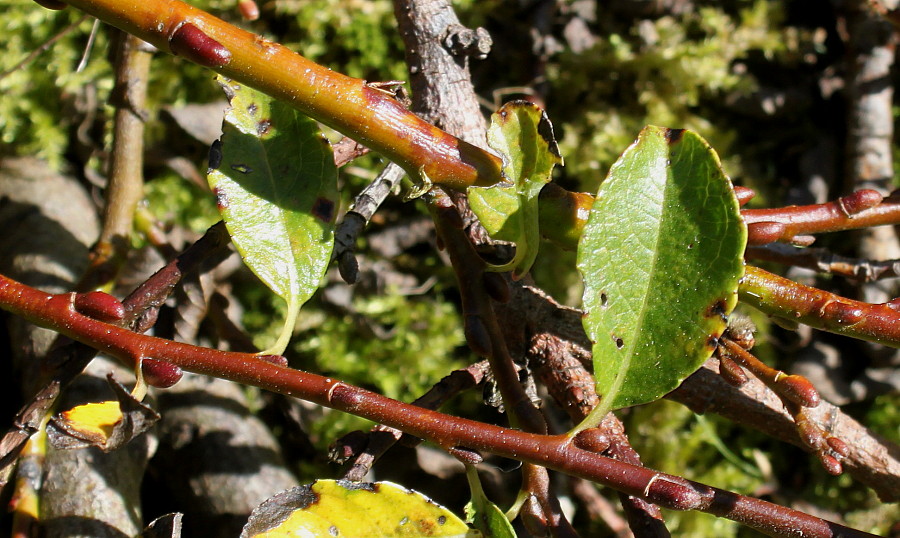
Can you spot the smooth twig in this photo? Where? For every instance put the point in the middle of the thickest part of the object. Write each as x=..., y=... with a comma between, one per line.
x=556, y=452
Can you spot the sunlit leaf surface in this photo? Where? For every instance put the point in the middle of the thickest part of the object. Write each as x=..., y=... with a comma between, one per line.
x=275, y=183
x=661, y=256
x=350, y=509
x=522, y=134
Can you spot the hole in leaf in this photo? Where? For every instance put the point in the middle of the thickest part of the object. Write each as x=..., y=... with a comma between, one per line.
x=603, y=299
x=619, y=342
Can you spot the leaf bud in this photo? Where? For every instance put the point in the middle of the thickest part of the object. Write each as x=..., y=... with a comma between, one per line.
x=100, y=306
x=192, y=43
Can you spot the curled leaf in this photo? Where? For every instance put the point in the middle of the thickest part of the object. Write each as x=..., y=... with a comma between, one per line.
x=106, y=425
x=522, y=134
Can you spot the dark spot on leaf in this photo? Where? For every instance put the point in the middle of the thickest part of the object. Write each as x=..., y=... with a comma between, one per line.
x=717, y=309
x=712, y=342
x=619, y=342
x=674, y=135
x=441, y=520
x=332, y=530
x=603, y=299
x=690, y=246
x=262, y=128
x=221, y=198
x=323, y=209
x=252, y=108
x=242, y=168
x=215, y=155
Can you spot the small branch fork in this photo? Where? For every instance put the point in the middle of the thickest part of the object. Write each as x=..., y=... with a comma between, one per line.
x=558, y=452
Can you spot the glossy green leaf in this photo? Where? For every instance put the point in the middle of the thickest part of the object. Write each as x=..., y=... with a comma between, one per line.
x=522, y=134
x=350, y=509
x=661, y=256
x=275, y=183
x=484, y=515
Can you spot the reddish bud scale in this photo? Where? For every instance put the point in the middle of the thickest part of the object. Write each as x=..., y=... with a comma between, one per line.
x=249, y=10
x=838, y=446
x=192, y=43
x=161, y=374
x=743, y=195
x=798, y=389
x=673, y=493
x=277, y=360
x=763, y=233
x=859, y=201
x=465, y=455
x=731, y=372
x=592, y=440
x=831, y=464
x=100, y=306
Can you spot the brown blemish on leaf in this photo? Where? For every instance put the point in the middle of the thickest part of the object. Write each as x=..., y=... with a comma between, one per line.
x=717, y=309
x=263, y=127
x=252, y=108
x=673, y=136
x=323, y=209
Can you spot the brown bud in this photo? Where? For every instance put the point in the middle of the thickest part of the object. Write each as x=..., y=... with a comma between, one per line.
x=859, y=201
x=465, y=455
x=743, y=195
x=831, y=464
x=672, y=492
x=277, y=360
x=160, y=374
x=732, y=372
x=763, y=233
x=838, y=446
x=592, y=440
x=192, y=43
x=797, y=389
x=100, y=306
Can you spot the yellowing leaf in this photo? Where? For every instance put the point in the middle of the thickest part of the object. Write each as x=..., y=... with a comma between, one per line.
x=94, y=419
x=348, y=509
x=106, y=425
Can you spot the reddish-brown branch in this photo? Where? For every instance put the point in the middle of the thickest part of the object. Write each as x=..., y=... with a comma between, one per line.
x=555, y=452
x=820, y=309
x=372, y=117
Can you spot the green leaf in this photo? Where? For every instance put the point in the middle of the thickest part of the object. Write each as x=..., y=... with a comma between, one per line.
x=661, y=256
x=482, y=513
x=343, y=508
x=275, y=183
x=522, y=134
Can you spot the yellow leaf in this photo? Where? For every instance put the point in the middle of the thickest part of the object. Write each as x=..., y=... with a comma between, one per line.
x=94, y=420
